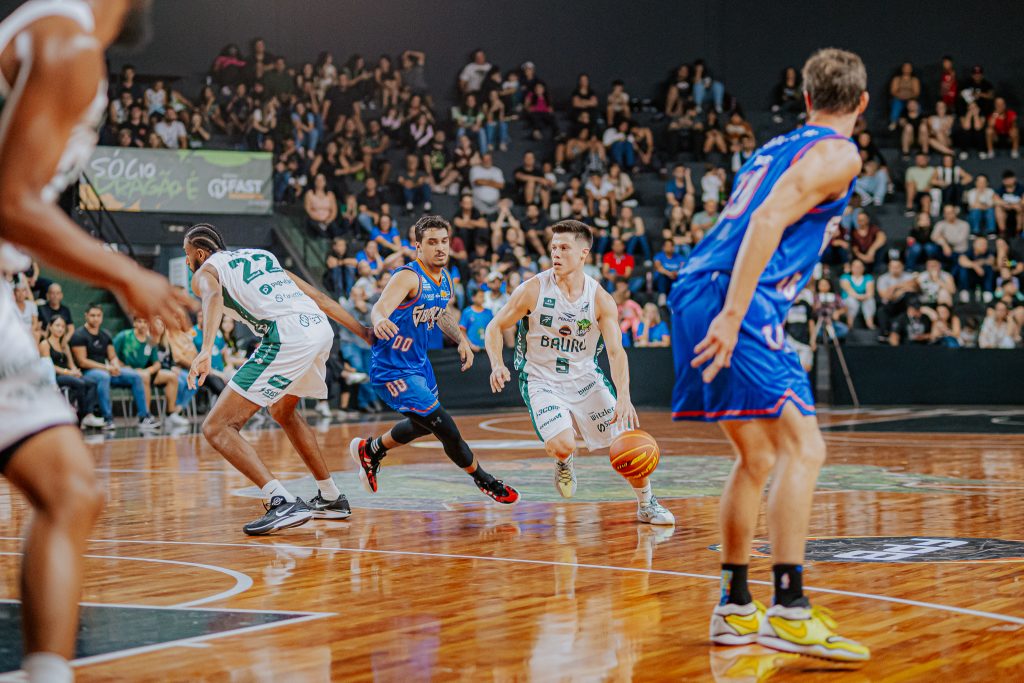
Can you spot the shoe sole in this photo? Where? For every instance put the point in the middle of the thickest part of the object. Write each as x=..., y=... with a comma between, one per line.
x=732, y=639
x=331, y=514
x=816, y=651
x=656, y=522
x=286, y=523
x=353, y=450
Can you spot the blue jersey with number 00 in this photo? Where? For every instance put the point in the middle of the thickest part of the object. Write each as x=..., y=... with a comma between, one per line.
x=406, y=354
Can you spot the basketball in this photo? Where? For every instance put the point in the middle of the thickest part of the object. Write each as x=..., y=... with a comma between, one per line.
x=634, y=454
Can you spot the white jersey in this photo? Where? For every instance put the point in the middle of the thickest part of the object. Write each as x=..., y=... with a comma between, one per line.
x=559, y=340
x=257, y=291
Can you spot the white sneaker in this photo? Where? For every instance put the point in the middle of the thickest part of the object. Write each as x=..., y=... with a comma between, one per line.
x=323, y=409
x=177, y=420
x=356, y=377
x=565, y=477
x=965, y=296
x=93, y=422
x=736, y=624
x=149, y=423
x=654, y=513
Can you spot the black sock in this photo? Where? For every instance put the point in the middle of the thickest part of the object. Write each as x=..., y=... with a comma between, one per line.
x=375, y=447
x=481, y=477
x=789, y=585
x=734, y=585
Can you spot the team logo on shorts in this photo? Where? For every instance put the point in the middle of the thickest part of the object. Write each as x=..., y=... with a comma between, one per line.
x=549, y=302
x=582, y=327
x=546, y=320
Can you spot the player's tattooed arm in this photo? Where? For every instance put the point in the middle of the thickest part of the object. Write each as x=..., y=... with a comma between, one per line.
x=450, y=326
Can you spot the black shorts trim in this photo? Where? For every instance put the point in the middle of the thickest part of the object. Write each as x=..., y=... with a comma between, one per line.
x=8, y=453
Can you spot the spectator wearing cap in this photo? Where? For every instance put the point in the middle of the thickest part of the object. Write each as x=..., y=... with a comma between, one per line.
x=978, y=89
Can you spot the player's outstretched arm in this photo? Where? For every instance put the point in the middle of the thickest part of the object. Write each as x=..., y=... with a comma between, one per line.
x=404, y=285
x=206, y=285
x=822, y=174
x=451, y=329
x=66, y=71
x=608, y=323
x=519, y=305
x=332, y=308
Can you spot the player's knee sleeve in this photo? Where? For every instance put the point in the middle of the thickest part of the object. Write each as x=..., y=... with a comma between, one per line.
x=406, y=431
x=440, y=424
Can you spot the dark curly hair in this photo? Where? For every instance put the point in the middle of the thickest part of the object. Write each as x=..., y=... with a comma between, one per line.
x=431, y=223
x=205, y=236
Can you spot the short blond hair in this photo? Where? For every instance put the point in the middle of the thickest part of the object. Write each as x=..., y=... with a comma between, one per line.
x=835, y=80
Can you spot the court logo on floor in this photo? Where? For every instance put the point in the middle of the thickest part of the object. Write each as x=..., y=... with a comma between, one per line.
x=906, y=549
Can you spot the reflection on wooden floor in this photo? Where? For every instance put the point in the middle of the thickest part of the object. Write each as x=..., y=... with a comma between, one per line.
x=429, y=581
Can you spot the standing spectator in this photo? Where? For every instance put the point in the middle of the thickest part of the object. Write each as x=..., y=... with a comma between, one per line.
x=1008, y=204
x=474, y=320
x=487, y=182
x=473, y=74
x=895, y=286
x=93, y=350
x=134, y=351
x=981, y=202
x=969, y=132
x=1002, y=129
x=321, y=208
x=951, y=235
x=415, y=184
x=977, y=270
x=679, y=191
x=652, y=330
x=666, y=269
x=978, y=90
x=999, y=331
x=172, y=131
x=81, y=393
x=913, y=327
x=903, y=87
x=918, y=180
x=858, y=290
x=947, y=83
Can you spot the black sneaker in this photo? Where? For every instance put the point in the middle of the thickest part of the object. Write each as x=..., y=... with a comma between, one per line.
x=499, y=491
x=280, y=515
x=330, y=509
x=367, y=464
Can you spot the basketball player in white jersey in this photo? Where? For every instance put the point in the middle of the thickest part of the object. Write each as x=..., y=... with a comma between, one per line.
x=565, y=319
x=290, y=317
x=52, y=97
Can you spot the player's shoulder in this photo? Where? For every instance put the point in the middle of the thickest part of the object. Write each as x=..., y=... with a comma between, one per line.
x=62, y=47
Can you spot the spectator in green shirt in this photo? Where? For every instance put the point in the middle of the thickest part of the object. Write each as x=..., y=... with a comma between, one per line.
x=134, y=349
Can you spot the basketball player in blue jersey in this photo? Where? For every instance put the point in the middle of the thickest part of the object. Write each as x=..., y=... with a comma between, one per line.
x=733, y=365
x=415, y=300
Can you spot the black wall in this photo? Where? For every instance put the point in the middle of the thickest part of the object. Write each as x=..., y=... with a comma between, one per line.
x=746, y=42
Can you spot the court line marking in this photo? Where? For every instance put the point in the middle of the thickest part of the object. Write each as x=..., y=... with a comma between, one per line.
x=243, y=582
x=664, y=572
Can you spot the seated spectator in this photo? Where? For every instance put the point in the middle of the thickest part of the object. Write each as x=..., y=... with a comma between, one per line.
x=82, y=394
x=677, y=231
x=341, y=269
x=155, y=98
x=496, y=122
x=970, y=131
x=440, y=166
x=736, y=129
x=539, y=112
x=685, y=132
x=951, y=235
x=472, y=76
x=623, y=187
x=387, y=81
x=620, y=144
x=1002, y=129
x=895, y=288
x=419, y=133
x=134, y=351
x=172, y=131
x=469, y=119
x=919, y=242
x=1008, y=204
x=667, y=263
x=415, y=184
x=680, y=92
x=679, y=191
x=937, y=130
x=26, y=309
x=977, y=271
x=487, y=182
x=572, y=154
x=602, y=221
x=712, y=184
x=93, y=350
x=583, y=104
x=474, y=320
x=630, y=229
x=706, y=219
x=617, y=103
x=469, y=224
x=742, y=153
x=788, y=97
x=935, y=285
x=904, y=87
x=321, y=208
x=918, y=182
x=55, y=308
x=949, y=182
x=387, y=237
x=714, y=136
x=503, y=225
x=597, y=188
x=371, y=206
x=914, y=129
x=858, y=291
x=198, y=134
x=946, y=329
x=872, y=184
x=630, y=312
x=981, y=202
x=176, y=352
x=652, y=330
x=999, y=331
x=618, y=266
x=531, y=184
x=913, y=327
x=535, y=226
x=706, y=90
x=869, y=150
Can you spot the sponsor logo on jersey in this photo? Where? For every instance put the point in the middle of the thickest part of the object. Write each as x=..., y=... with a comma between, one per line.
x=566, y=317
x=565, y=330
x=549, y=302
x=546, y=320
x=597, y=415
x=429, y=316
x=582, y=327
x=567, y=345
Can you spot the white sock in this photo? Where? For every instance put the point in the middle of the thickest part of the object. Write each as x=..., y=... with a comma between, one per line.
x=645, y=494
x=328, y=488
x=275, y=488
x=47, y=667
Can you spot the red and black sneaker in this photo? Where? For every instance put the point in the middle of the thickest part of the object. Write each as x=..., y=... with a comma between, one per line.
x=499, y=491
x=366, y=463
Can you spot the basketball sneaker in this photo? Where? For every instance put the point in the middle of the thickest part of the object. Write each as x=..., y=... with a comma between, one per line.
x=733, y=624
x=565, y=477
x=280, y=515
x=499, y=491
x=654, y=513
x=366, y=463
x=808, y=631
x=330, y=509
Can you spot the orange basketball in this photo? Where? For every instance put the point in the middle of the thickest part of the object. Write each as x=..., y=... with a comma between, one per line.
x=634, y=454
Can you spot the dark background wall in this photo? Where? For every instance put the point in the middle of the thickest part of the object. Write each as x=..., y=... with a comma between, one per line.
x=746, y=42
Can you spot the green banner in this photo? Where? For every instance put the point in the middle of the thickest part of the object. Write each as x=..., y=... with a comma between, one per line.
x=178, y=181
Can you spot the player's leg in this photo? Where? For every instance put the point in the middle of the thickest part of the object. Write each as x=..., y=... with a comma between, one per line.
x=329, y=502
x=54, y=470
x=552, y=421
x=368, y=453
x=562, y=447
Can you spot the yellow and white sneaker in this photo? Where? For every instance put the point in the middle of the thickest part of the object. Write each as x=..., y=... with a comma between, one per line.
x=736, y=624
x=565, y=477
x=748, y=664
x=808, y=631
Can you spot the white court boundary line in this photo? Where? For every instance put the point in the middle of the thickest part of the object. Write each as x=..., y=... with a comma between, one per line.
x=513, y=560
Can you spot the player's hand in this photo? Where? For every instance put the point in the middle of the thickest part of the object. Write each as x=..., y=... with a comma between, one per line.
x=146, y=294
x=717, y=346
x=625, y=414
x=500, y=376
x=465, y=355
x=200, y=369
x=385, y=329
x=366, y=334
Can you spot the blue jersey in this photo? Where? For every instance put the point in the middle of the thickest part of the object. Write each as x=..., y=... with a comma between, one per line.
x=406, y=353
x=792, y=264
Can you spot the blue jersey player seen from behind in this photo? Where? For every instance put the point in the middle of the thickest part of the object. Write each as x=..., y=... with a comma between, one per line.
x=733, y=364
x=415, y=302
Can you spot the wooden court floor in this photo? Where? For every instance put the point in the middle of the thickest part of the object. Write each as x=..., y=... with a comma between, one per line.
x=918, y=549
